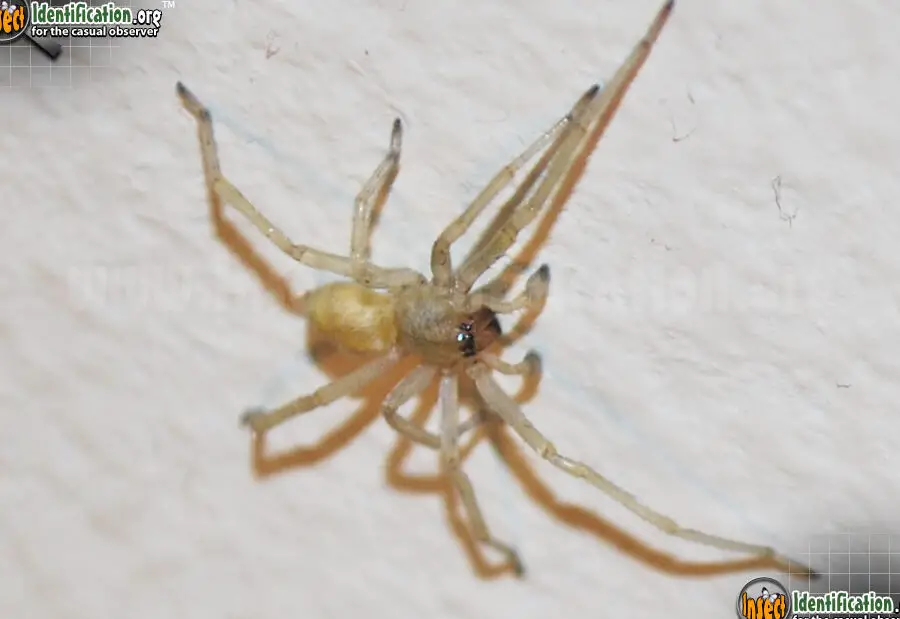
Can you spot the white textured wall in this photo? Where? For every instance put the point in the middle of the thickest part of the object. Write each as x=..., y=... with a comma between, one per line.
x=125, y=481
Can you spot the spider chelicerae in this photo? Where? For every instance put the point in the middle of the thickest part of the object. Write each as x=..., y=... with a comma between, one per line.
x=449, y=328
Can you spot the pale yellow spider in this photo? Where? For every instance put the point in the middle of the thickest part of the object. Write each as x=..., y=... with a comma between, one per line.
x=447, y=327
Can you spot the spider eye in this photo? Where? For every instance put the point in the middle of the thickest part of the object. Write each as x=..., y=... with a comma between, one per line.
x=466, y=340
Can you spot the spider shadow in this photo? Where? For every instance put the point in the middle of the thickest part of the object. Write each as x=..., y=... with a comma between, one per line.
x=498, y=435
x=333, y=363
x=265, y=464
x=576, y=517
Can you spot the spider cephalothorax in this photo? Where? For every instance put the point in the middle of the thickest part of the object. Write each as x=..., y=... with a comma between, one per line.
x=397, y=313
x=443, y=327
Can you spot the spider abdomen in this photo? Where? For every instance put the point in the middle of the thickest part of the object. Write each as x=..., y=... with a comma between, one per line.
x=356, y=318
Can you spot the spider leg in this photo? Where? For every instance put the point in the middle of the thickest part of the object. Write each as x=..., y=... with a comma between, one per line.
x=528, y=366
x=451, y=461
x=441, y=265
x=378, y=185
x=566, y=166
x=509, y=207
x=533, y=297
x=524, y=205
x=262, y=421
x=504, y=406
x=412, y=385
x=371, y=275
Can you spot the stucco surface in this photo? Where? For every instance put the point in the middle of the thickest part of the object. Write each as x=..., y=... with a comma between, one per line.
x=732, y=363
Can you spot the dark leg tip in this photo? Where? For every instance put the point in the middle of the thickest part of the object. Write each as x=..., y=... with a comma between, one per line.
x=251, y=418
x=396, y=137
x=518, y=568
x=533, y=359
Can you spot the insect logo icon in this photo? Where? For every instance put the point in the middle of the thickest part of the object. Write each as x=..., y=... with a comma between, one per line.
x=14, y=19
x=764, y=598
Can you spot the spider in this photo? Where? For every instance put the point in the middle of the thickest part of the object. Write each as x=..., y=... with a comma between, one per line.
x=449, y=328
